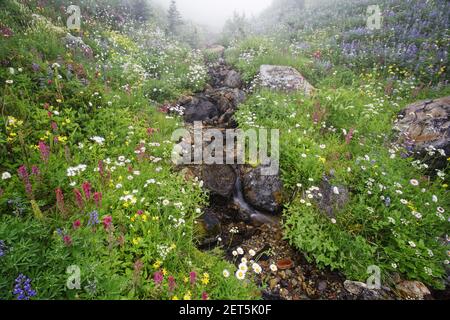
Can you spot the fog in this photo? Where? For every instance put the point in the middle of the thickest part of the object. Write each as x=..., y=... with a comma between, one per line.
x=214, y=13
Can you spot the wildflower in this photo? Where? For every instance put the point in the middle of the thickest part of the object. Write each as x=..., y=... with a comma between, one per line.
x=414, y=182
x=172, y=283
x=9, y=81
x=204, y=296
x=165, y=202
x=226, y=273
x=240, y=275
x=175, y=298
x=336, y=190
x=273, y=268
x=157, y=264
x=441, y=210
x=107, y=222
x=244, y=260
x=394, y=265
x=252, y=252
x=93, y=218
x=67, y=240
x=6, y=176
x=60, y=199
x=240, y=251
x=417, y=215
x=22, y=288
x=158, y=277
x=98, y=140
x=35, y=171
x=205, y=279
x=76, y=224
x=119, y=186
x=412, y=244
x=256, y=268
x=187, y=296
x=44, y=151
x=234, y=253
x=243, y=267
x=98, y=199
x=435, y=198
x=78, y=198
x=87, y=190
x=193, y=277
x=2, y=248
x=403, y=201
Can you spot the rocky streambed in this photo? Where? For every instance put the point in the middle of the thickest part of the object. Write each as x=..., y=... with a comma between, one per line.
x=245, y=205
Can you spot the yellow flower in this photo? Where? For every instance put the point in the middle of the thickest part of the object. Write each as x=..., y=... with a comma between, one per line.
x=445, y=186
x=175, y=298
x=157, y=264
x=205, y=279
x=133, y=219
x=185, y=280
x=136, y=241
x=144, y=217
x=323, y=160
x=164, y=272
x=187, y=296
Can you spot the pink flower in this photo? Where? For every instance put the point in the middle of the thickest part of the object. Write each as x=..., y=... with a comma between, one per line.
x=140, y=212
x=158, y=277
x=79, y=198
x=76, y=224
x=23, y=174
x=35, y=171
x=60, y=199
x=67, y=240
x=44, y=150
x=172, y=283
x=101, y=169
x=349, y=136
x=87, y=190
x=54, y=126
x=107, y=222
x=204, y=296
x=98, y=199
x=193, y=277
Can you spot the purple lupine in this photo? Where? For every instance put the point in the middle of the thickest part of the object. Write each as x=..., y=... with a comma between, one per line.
x=22, y=288
x=93, y=218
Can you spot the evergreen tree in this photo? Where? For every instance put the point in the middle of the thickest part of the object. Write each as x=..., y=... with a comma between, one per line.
x=174, y=18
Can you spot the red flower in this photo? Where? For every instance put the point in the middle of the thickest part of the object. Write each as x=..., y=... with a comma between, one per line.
x=98, y=199
x=60, y=199
x=87, y=190
x=79, y=198
x=107, y=222
x=67, y=240
x=172, y=283
x=204, y=296
x=76, y=224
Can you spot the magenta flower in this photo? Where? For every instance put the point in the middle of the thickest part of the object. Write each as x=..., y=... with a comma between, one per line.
x=78, y=198
x=45, y=151
x=98, y=199
x=76, y=224
x=67, y=240
x=87, y=190
x=193, y=277
x=158, y=277
x=101, y=169
x=204, y=296
x=54, y=126
x=349, y=136
x=23, y=174
x=60, y=199
x=172, y=283
x=107, y=222
x=140, y=212
x=35, y=170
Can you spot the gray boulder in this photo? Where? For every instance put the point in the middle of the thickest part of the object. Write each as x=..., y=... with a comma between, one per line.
x=284, y=78
x=424, y=128
x=233, y=80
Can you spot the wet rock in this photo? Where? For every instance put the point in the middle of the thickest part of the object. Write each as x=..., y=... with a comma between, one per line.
x=354, y=287
x=413, y=290
x=424, y=127
x=219, y=179
x=201, y=111
x=226, y=98
x=233, y=80
x=322, y=286
x=333, y=198
x=284, y=78
x=262, y=192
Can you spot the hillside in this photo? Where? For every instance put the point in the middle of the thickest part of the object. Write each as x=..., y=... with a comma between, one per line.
x=93, y=207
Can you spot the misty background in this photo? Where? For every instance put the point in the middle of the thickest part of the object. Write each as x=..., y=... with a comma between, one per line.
x=214, y=13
